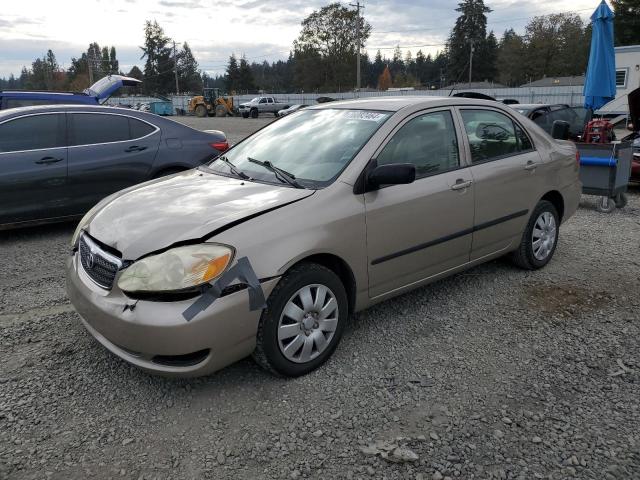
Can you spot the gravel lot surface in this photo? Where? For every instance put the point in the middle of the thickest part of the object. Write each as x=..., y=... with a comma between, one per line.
x=493, y=373
x=236, y=128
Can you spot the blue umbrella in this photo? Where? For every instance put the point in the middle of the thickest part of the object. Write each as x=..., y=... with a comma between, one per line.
x=600, y=84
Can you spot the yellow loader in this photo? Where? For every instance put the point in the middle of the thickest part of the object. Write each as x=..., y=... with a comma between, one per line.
x=211, y=103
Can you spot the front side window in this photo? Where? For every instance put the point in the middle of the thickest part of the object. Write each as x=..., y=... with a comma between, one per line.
x=32, y=133
x=312, y=145
x=92, y=128
x=429, y=142
x=493, y=135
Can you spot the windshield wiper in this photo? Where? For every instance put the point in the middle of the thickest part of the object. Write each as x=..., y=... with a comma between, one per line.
x=233, y=168
x=283, y=175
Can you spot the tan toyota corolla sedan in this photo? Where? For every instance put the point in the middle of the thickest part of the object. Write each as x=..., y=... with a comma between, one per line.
x=267, y=250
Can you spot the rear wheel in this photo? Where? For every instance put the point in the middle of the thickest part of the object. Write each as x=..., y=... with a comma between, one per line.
x=303, y=322
x=221, y=111
x=201, y=111
x=621, y=200
x=540, y=237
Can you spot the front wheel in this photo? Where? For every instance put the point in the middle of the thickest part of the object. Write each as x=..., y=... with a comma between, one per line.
x=540, y=237
x=606, y=204
x=303, y=322
x=254, y=113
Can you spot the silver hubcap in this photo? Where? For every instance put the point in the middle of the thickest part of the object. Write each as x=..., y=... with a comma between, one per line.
x=544, y=236
x=308, y=323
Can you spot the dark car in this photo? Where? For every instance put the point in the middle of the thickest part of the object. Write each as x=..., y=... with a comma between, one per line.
x=96, y=94
x=60, y=160
x=545, y=114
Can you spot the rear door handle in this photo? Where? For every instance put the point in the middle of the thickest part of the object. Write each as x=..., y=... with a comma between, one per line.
x=48, y=160
x=135, y=148
x=530, y=166
x=461, y=184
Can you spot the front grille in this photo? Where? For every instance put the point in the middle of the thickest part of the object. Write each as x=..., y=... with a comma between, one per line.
x=100, y=266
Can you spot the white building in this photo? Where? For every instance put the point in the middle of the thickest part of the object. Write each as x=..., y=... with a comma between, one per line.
x=627, y=79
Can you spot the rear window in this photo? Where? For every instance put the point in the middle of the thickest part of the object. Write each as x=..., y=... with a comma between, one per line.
x=139, y=128
x=32, y=132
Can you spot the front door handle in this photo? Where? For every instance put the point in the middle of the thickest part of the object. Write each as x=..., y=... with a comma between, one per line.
x=530, y=166
x=135, y=148
x=461, y=184
x=48, y=160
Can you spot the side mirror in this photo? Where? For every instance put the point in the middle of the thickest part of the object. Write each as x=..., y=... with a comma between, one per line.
x=393, y=174
x=560, y=130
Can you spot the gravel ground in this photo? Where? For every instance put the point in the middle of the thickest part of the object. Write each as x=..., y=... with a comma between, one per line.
x=493, y=373
x=236, y=128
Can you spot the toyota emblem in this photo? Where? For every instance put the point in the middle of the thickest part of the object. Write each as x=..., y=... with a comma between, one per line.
x=90, y=261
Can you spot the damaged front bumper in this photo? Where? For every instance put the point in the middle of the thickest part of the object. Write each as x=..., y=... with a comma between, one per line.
x=155, y=335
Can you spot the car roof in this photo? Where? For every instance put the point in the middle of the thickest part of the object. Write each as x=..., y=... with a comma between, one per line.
x=394, y=104
x=12, y=112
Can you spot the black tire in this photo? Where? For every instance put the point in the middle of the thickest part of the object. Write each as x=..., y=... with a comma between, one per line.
x=201, y=111
x=254, y=113
x=276, y=114
x=606, y=204
x=267, y=353
x=524, y=256
x=621, y=200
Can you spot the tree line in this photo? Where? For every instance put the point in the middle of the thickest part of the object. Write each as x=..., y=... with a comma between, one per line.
x=323, y=56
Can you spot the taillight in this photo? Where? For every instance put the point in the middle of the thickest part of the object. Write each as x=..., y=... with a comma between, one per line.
x=220, y=146
x=578, y=157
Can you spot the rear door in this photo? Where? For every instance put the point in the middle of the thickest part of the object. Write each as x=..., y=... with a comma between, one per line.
x=108, y=152
x=418, y=230
x=33, y=167
x=505, y=170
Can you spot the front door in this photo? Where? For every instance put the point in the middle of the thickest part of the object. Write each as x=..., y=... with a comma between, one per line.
x=33, y=168
x=505, y=171
x=418, y=230
x=107, y=153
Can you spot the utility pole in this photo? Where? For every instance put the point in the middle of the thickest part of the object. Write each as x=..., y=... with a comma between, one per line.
x=470, y=62
x=175, y=67
x=90, y=66
x=359, y=44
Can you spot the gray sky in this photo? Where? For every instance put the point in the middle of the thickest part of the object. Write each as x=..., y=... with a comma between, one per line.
x=259, y=29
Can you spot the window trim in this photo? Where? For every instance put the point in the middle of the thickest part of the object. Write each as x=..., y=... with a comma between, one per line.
x=459, y=109
x=69, y=120
x=461, y=163
x=35, y=149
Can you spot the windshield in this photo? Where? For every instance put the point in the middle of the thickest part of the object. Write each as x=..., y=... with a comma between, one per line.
x=255, y=100
x=313, y=146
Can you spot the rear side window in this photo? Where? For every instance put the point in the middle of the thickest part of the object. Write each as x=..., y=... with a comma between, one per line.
x=92, y=128
x=493, y=135
x=139, y=129
x=427, y=141
x=32, y=133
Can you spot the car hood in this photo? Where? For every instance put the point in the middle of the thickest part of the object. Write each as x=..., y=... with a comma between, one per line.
x=181, y=207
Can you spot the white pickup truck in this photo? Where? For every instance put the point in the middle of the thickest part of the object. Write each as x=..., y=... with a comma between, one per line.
x=260, y=105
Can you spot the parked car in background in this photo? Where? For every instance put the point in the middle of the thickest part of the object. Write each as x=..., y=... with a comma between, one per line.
x=59, y=161
x=544, y=115
x=295, y=232
x=260, y=105
x=293, y=108
x=96, y=94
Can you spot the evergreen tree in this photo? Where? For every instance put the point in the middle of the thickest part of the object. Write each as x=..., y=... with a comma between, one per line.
x=189, y=76
x=232, y=79
x=469, y=31
x=627, y=22
x=158, y=68
x=114, y=65
x=511, y=53
x=245, y=76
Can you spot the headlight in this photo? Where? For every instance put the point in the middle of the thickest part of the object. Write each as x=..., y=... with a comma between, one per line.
x=177, y=269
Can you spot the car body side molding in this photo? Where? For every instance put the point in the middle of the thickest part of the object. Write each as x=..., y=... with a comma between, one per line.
x=448, y=238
